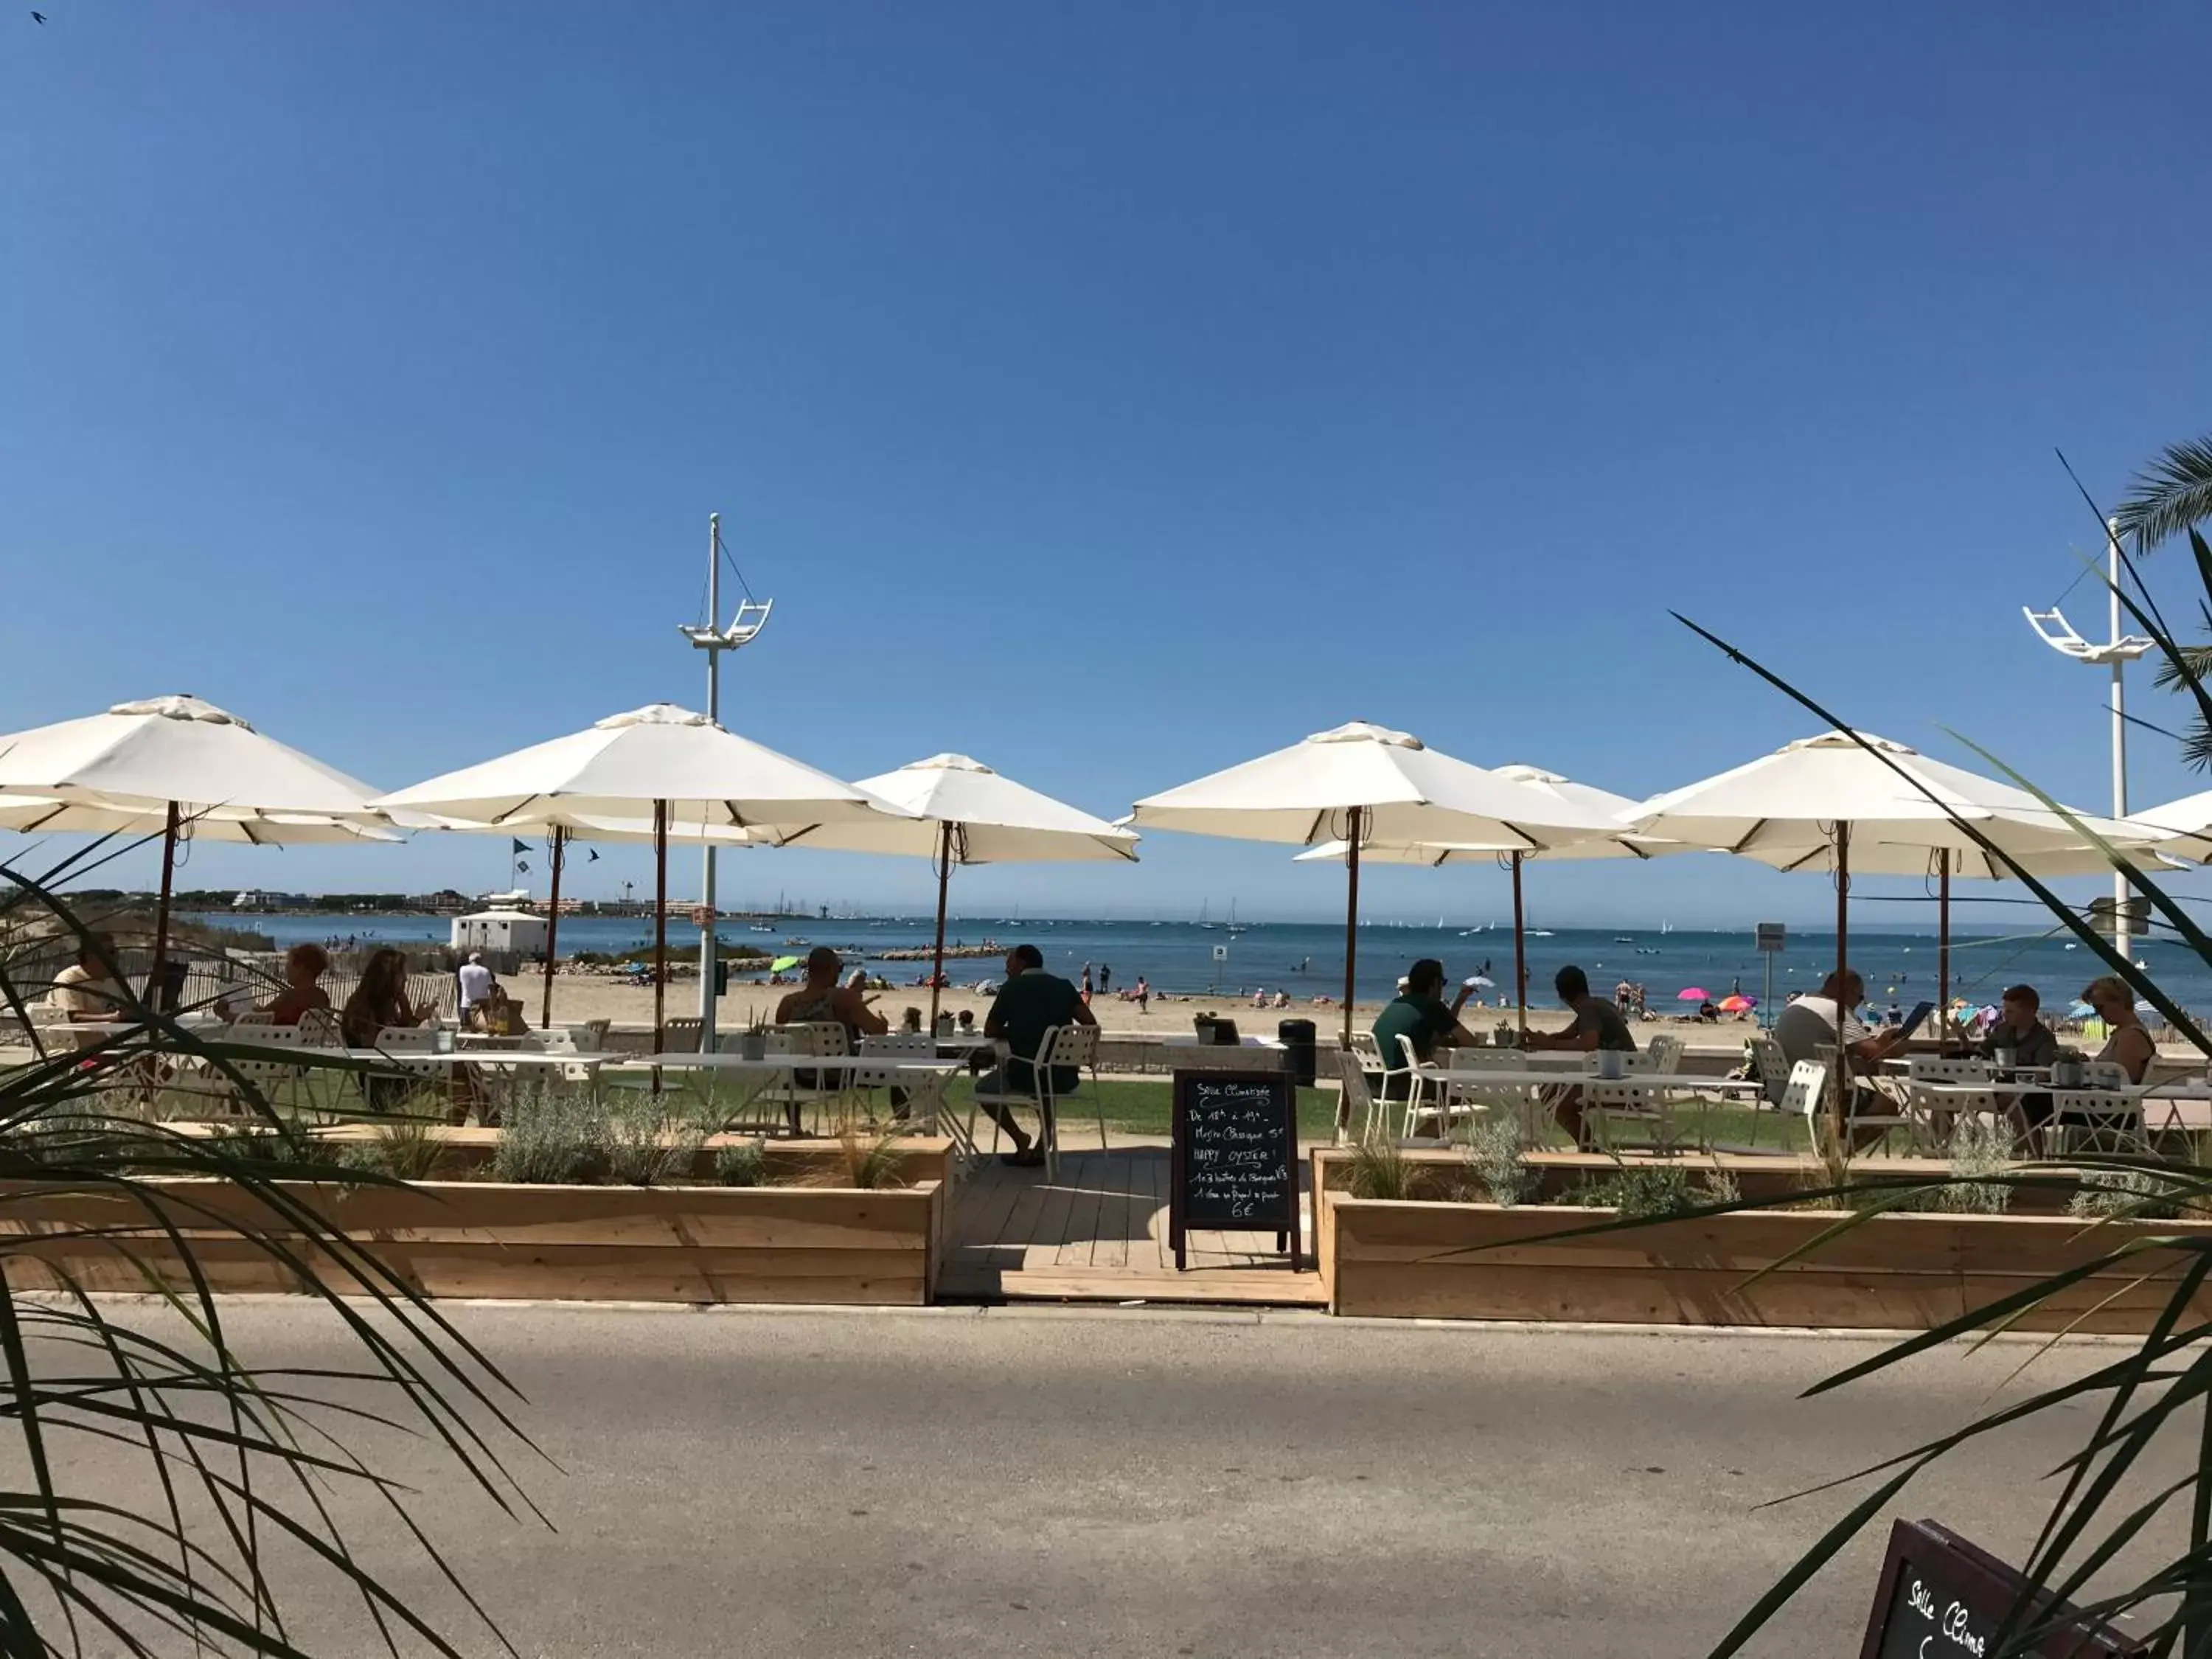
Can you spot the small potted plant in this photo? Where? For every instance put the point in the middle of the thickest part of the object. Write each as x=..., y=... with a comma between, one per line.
x=753, y=1045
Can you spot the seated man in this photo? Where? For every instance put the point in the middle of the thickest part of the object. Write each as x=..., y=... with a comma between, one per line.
x=1597, y=1025
x=1030, y=1003
x=2025, y=1040
x=1418, y=1014
x=304, y=967
x=1811, y=1023
x=86, y=992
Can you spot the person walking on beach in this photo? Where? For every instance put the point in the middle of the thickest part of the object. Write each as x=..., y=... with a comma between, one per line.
x=477, y=984
x=1086, y=984
x=1144, y=996
x=1105, y=978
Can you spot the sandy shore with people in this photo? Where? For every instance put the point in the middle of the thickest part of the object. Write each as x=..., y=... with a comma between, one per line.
x=580, y=997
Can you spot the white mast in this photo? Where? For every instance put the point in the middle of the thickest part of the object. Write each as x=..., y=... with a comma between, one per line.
x=744, y=627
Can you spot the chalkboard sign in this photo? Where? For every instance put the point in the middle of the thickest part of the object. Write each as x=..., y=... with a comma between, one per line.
x=1940, y=1597
x=1234, y=1158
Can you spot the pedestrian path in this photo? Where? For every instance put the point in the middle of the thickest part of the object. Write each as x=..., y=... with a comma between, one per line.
x=1100, y=1233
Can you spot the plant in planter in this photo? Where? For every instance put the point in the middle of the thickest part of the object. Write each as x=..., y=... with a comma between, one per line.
x=744, y=1163
x=2167, y=1383
x=752, y=1042
x=869, y=1162
x=643, y=1144
x=551, y=1136
x=1497, y=1160
x=1379, y=1168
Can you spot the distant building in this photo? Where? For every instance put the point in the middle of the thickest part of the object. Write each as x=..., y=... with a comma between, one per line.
x=500, y=930
x=255, y=898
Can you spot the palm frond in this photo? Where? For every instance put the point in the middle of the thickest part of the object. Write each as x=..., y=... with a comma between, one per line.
x=2169, y=496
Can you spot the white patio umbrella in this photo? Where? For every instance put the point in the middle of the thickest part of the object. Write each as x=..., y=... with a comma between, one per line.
x=671, y=760
x=1824, y=802
x=965, y=814
x=1367, y=785
x=170, y=763
x=1618, y=844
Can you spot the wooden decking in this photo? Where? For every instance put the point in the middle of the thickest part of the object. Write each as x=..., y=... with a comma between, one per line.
x=1100, y=1233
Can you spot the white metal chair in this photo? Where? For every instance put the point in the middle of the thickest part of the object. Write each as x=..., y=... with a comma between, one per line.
x=1062, y=1047
x=1606, y=1102
x=1664, y=1051
x=1804, y=1094
x=1415, y=1070
x=2107, y=1115
x=824, y=1040
x=925, y=1091
x=1928, y=1068
x=682, y=1036
x=1358, y=1096
x=1774, y=1068
x=1471, y=1098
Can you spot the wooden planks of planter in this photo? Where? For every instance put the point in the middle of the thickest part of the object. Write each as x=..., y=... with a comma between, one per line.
x=1409, y=1260
x=1443, y=1173
x=481, y=1239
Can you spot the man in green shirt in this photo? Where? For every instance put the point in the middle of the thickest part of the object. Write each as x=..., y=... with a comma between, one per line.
x=1598, y=1024
x=1419, y=1012
x=1030, y=1003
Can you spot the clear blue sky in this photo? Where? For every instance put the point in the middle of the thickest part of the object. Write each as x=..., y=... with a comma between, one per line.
x=1113, y=393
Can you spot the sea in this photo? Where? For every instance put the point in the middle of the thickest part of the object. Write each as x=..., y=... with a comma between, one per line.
x=1306, y=959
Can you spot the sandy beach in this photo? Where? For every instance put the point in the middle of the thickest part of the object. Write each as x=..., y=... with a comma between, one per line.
x=581, y=997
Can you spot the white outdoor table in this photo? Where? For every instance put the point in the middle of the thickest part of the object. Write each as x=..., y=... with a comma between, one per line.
x=770, y=1064
x=1553, y=1076
x=1189, y=1040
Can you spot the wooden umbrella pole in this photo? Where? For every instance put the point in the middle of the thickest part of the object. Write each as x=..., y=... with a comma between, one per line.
x=161, y=909
x=1942, y=942
x=1842, y=1112
x=1351, y=923
x=552, y=929
x=1520, y=953
x=937, y=969
x=660, y=926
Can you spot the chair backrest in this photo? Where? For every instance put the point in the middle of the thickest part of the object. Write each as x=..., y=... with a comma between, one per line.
x=1665, y=1053
x=592, y=1034
x=319, y=1028
x=1464, y=1059
x=680, y=1037
x=1774, y=1069
x=408, y=1039
x=1364, y=1049
x=1802, y=1090
x=1410, y=1057
x=814, y=1039
x=2106, y=1074
x=920, y=1043
x=548, y=1042
x=1354, y=1077
x=1073, y=1046
x=259, y=1018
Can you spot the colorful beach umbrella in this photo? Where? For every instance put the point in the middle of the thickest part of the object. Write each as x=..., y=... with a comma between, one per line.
x=1738, y=1005
x=1694, y=994
x=783, y=964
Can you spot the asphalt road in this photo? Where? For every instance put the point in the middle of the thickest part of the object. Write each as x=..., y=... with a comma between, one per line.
x=984, y=1483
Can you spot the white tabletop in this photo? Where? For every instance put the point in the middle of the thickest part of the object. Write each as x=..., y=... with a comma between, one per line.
x=917, y=1065
x=1190, y=1040
x=1528, y=1078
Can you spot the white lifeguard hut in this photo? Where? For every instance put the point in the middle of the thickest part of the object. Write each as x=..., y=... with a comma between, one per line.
x=501, y=930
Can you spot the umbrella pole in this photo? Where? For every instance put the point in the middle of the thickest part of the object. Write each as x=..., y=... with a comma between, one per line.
x=1520, y=954
x=552, y=930
x=1350, y=924
x=659, y=927
x=1942, y=940
x=161, y=909
x=1842, y=1110
x=937, y=968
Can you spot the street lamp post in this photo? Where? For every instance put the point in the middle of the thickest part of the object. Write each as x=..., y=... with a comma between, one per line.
x=712, y=639
x=2117, y=652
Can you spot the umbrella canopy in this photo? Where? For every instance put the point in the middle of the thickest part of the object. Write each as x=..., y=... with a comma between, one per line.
x=39, y=814
x=170, y=762
x=1362, y=783
x=995, y=820
x=1738, y=1005
x=783, y=964
x=966, y=813
x=658, y=755
x=1784, y=807
x=681, y=765
x=145, y=755
x=1693, y=994
x=1403, y=791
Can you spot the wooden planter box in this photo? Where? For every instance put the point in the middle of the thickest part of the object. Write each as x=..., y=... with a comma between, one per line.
x=1409, y=1260
x=1443, y=1174
x=815, y=1244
